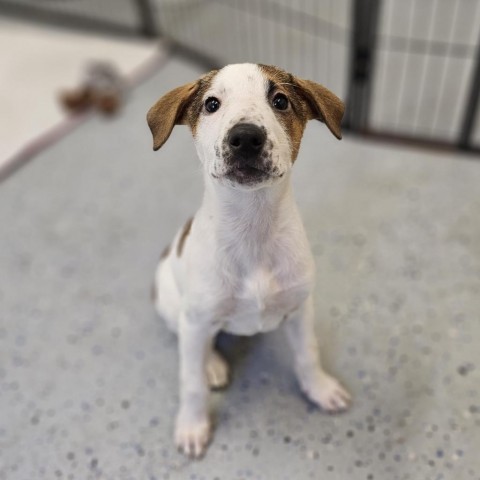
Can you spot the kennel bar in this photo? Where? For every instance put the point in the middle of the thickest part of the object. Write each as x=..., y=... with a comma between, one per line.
x=472, y=108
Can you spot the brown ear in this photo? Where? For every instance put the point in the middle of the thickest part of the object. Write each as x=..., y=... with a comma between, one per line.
x=168, y=112
x=324, y=105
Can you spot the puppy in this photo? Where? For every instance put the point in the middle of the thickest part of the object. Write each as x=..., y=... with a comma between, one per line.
x=243, y=263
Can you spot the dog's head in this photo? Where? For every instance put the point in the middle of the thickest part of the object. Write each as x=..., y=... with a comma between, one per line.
x=247, y=120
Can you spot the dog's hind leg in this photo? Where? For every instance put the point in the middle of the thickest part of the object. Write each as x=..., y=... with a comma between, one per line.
x=167, y=300
x=166, y=295
x=217, y=370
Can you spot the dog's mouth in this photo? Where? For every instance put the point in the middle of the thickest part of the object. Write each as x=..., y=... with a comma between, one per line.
x=248, y=173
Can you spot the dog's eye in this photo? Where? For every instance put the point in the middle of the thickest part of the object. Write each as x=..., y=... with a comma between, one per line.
x=280, y=101
x=212, y=104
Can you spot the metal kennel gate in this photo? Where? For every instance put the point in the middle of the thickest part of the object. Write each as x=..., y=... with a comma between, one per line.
x=409, y=70
x=448, y=118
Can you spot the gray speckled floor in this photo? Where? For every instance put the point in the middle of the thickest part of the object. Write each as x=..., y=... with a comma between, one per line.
x=88, y=375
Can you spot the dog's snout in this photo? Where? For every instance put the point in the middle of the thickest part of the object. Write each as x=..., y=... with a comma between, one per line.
x=246, y=139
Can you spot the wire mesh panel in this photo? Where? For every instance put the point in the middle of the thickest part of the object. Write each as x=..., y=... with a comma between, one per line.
x=307, y=37
x=424, y=65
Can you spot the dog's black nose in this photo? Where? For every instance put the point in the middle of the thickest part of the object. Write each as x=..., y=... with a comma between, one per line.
x=246, y=139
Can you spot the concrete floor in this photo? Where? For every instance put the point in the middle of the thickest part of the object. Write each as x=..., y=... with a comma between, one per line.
x=88, y=374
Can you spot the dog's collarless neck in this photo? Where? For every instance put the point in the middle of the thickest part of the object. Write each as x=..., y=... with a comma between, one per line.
x=251, y=220
x=245, y=206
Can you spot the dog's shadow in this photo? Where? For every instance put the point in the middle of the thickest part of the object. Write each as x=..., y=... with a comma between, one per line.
x=259, y=359
x=235, y=348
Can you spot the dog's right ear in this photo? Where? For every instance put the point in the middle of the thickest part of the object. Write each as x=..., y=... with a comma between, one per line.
x=169, y=111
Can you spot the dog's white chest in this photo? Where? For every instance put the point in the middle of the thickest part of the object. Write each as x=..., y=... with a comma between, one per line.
x=261, y=304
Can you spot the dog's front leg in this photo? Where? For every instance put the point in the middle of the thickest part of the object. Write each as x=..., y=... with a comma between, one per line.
x=321, y=388
x=193, y=426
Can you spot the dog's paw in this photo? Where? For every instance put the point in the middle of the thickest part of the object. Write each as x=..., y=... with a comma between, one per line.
x=326, y=392
x=217, y=371
x=192, y=437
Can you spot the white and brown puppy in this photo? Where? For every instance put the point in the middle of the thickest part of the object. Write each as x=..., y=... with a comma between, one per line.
x=243, y=264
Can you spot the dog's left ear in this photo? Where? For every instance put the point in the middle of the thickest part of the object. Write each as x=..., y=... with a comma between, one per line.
x=169, y=111
x=323, y=104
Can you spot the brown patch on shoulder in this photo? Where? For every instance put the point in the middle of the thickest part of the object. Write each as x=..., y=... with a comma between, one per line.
x=183, y=236
x=192, y=113
x=295, y=117
x=165, y=252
